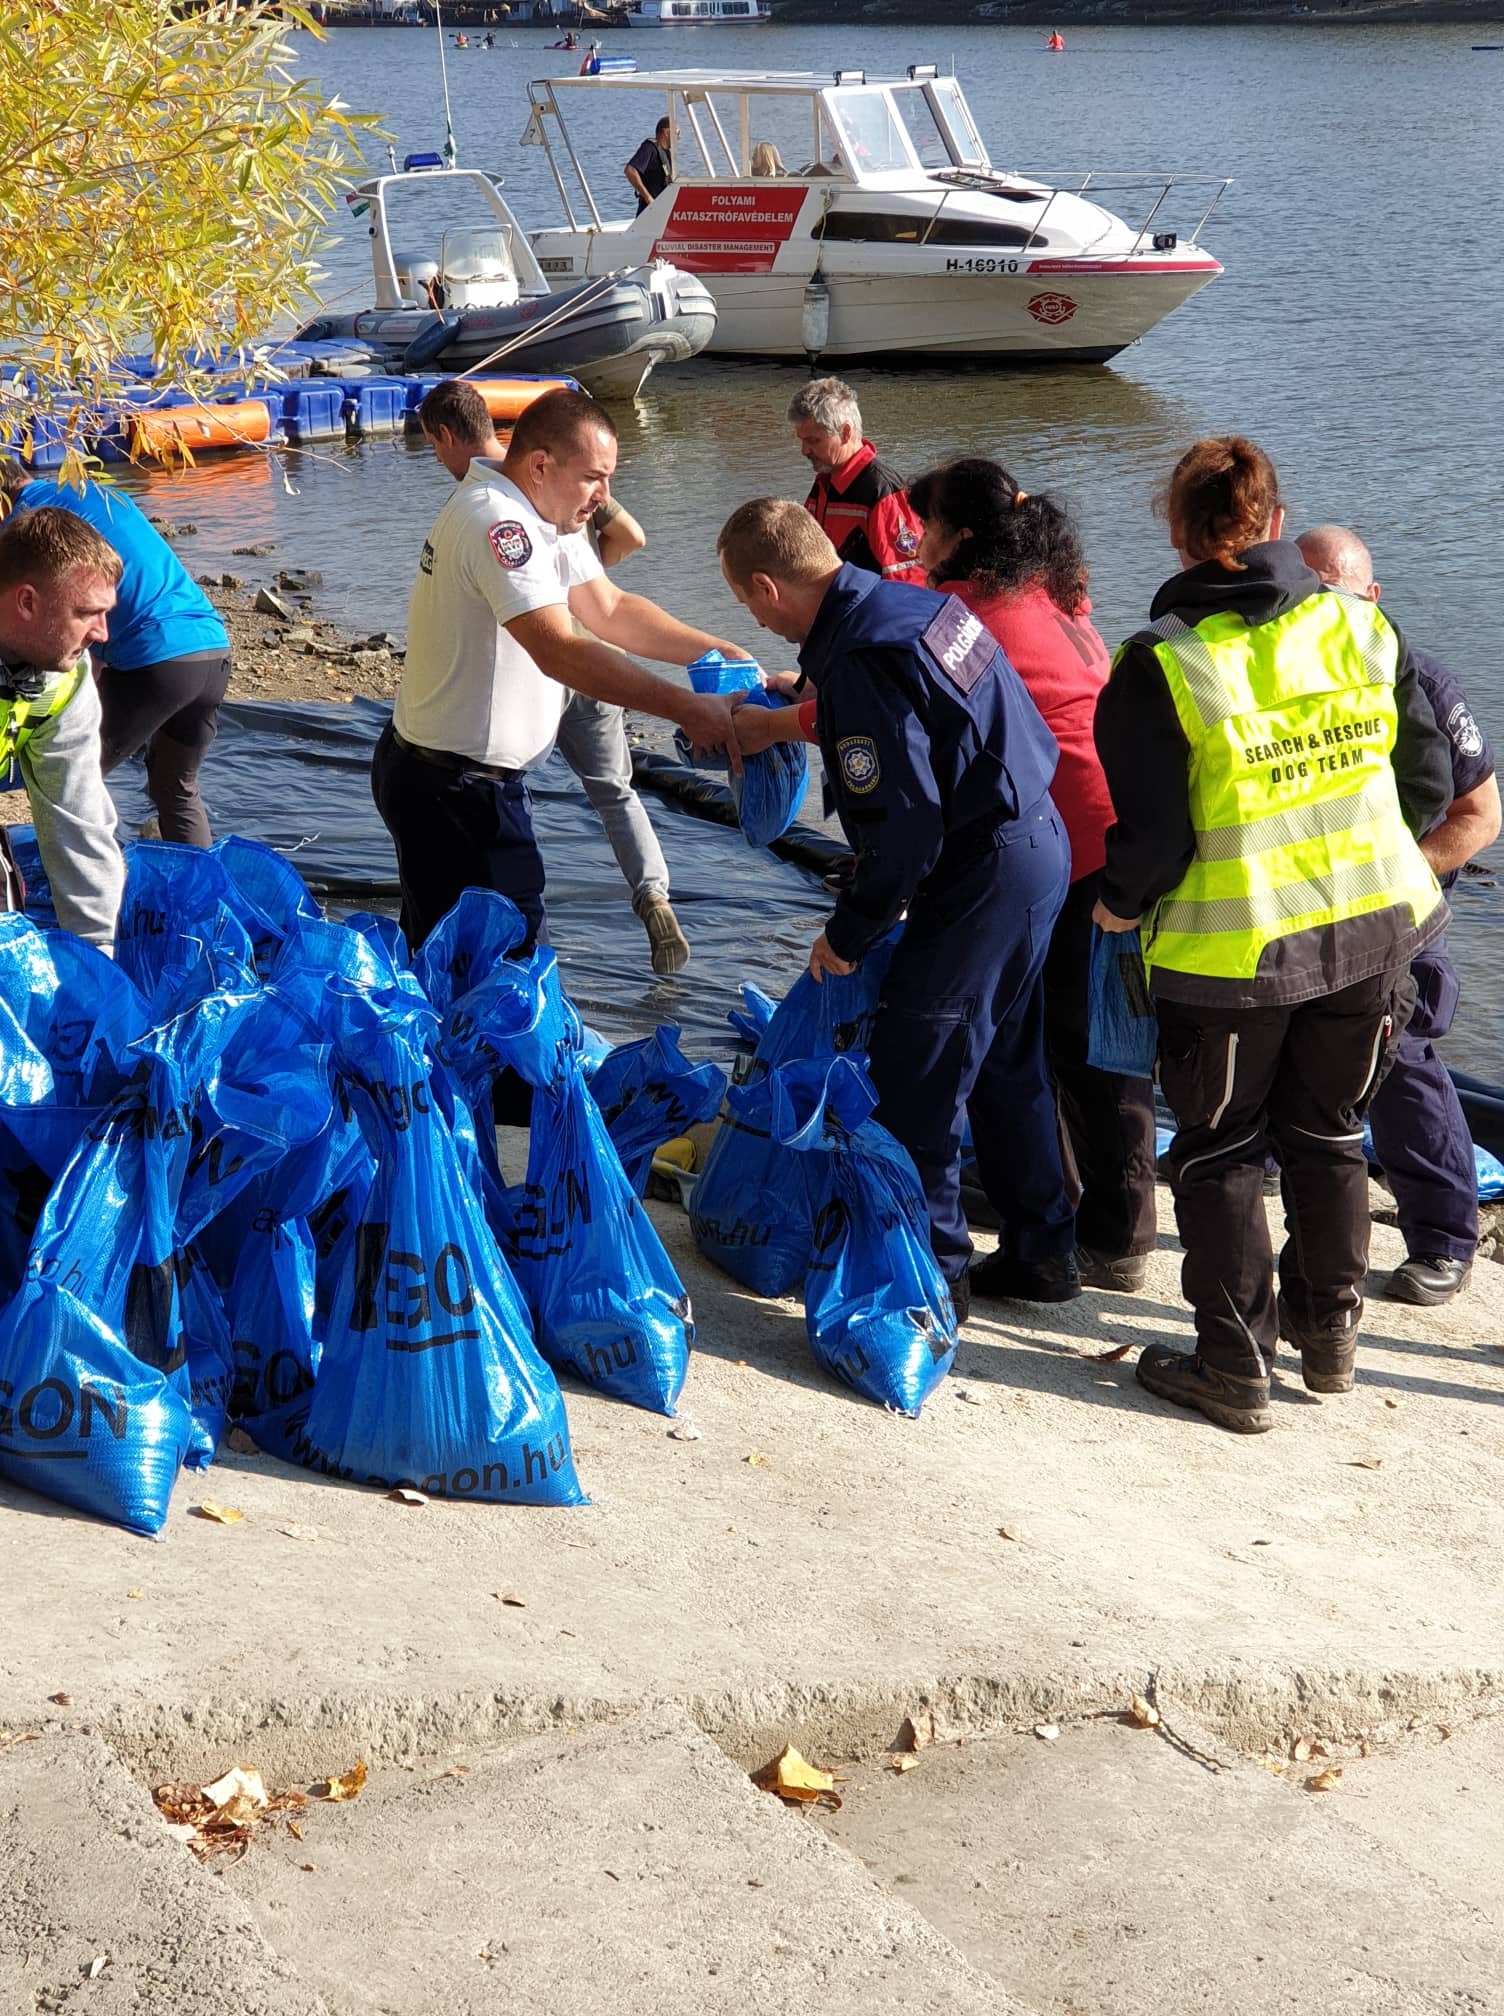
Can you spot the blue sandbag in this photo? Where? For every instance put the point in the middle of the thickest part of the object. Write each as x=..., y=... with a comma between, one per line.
x=1487, y=1167
x=609, y=1307
x=1123, y=1035
x=428, y=1375
x=770, y=787
x=648, y=1092
x=751, y=1211
x=876, y=1306
x=115, y=1351
x=752, y=1018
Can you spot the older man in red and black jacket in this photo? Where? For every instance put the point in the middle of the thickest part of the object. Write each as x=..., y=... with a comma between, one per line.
x=857, y=501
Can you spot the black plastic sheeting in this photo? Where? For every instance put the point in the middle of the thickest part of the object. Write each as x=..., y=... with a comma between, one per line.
x=297, y=778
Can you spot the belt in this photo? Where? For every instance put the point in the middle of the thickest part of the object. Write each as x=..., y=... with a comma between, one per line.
x=448, y=759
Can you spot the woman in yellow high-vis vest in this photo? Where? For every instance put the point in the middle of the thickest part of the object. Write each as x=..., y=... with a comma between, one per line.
x=1271, y=758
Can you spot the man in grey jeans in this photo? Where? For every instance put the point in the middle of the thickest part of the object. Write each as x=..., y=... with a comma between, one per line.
x=57, y=588
x=592, y=735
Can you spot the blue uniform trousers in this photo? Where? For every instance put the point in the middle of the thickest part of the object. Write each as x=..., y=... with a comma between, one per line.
x=454, y=829
x=1419, y=1133
x=961, y=1024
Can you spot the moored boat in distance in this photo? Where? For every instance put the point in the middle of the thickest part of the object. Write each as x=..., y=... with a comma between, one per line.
x=701, y=13
x=484, y=301
x=842, y=217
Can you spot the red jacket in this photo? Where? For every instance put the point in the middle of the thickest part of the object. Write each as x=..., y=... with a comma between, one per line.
x=1064, y=664
x=864, y=511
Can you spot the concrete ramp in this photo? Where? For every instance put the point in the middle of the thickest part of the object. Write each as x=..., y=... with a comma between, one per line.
x=102, y=1913
x=624, y=1870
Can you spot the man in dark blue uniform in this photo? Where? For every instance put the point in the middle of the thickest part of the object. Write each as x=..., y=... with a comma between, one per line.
x=940, y=768
x=1419, y=1133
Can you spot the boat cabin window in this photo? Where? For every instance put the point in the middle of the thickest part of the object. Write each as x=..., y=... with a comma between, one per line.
x=871, y=132
x=923, y=128
x=954, y=114
x=895, y=228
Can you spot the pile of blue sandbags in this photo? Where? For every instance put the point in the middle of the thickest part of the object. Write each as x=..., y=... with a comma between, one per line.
x=254, y=1180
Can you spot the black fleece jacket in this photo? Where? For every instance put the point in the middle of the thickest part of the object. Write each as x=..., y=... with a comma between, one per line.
x=1145, y=754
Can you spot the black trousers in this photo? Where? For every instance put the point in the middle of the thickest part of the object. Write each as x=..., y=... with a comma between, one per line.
x=1298, y=1079
x=1108, y=1120
x=171, y=710
x=455, y=830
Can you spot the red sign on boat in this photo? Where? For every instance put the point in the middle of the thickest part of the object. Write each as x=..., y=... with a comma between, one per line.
x=728, y=230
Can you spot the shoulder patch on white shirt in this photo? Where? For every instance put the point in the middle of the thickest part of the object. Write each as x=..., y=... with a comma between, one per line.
x=961, y=644
x=510, y=543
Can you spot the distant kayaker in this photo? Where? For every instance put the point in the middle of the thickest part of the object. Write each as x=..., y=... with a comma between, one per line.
x=1056, y=41
x=651, y=168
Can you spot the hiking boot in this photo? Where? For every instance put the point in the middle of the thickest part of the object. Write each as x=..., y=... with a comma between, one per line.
x=1428, y=1281
x=1003, y=1278
x=1124, y=1276
x=1328, y=1352
x=1239, y=1404
x=670, y=947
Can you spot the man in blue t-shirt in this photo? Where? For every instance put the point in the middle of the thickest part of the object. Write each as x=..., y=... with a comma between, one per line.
x=166, y=663
x=1419, y=1133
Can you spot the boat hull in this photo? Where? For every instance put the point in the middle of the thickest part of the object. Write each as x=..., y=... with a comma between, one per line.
x=956, y=307
x=615, y=334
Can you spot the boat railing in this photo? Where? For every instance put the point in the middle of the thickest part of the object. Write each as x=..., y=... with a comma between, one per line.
x=1102, y=183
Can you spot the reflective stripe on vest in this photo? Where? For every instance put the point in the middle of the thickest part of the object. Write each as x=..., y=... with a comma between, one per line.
x=19, y=717
x=1293, y=801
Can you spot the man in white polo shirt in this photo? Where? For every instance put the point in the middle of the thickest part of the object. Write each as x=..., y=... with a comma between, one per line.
x=492, y=657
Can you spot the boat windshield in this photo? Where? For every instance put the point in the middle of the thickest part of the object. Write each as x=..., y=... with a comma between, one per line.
x=924, y=129
x=872, y=133
x=949, y=101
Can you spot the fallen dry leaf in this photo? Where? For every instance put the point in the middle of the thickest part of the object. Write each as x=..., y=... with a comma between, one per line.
x=1047, y=1732
x=457, y=1771
x=1444, y=1730
x=1113, y=1357
x=240, y=1442
x=1300, y=1750
x=296, y=1532
x=347, y=1787
x=1141, y=1713
x=306, y=1867
x=1413, y=1724
x=294, y=1830
x=133, y=1595
x=403, y=1496
x=1319, y=1749
x=756, y=1458
x=918, y=1731
x=512, y=1601
x=1365, y=1748
x=1006, y=1533
x=62, y=1700
x=1389, y=1402
x=222, y=1515
x=1367, y=1463
x=96, y=1966
x=972, y=1399
x=1327, y=1780
x=905, y=1763
x=794, y=1778
x=684, y=1431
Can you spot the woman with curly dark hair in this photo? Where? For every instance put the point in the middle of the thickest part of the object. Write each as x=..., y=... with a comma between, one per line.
x=1016, y=561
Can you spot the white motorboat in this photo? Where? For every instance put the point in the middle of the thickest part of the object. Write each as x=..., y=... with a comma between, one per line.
x=843, y=218
x=700, y=13
x=484, y=301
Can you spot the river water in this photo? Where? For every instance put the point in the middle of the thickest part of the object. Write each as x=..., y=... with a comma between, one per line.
x=1354, y=333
